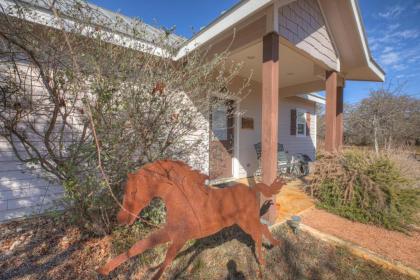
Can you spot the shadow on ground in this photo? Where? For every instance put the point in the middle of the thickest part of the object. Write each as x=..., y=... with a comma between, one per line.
x=51, y=250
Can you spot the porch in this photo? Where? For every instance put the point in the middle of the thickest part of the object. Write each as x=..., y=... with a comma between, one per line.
x=288, y=49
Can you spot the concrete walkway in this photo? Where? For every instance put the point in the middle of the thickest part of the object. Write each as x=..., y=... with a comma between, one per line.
x=290, y=201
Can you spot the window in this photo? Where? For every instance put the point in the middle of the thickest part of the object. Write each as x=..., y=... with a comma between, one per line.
x=300, y=122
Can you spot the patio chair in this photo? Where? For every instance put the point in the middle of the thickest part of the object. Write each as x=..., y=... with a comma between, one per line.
x=302, y=163
x=284, y=164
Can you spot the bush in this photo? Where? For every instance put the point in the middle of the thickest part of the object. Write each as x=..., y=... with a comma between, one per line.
x=99, y=107
x=365, y=187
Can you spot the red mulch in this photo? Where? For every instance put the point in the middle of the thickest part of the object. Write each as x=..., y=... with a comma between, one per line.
x=391, y=244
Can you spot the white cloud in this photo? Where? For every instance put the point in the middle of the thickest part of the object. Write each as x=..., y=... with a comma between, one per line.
x=395, y=37
x=399, y=59
x=407, y=75
x=399, y=67
x=414, y=58
x=374, y=46
x=392, y=12
x=390, y=58
x=407, y=34
x=388, y=49
x=393, y=27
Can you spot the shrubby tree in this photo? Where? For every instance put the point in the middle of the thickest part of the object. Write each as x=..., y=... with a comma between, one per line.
x=385, y=118
x=84, y=106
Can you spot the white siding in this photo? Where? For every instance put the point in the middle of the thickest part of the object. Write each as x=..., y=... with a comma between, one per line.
x=297, y=144
x=251, y=107
x=21, y=191
x=302, y=23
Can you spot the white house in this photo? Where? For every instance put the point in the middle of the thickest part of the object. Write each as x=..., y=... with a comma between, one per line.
x=293, y=47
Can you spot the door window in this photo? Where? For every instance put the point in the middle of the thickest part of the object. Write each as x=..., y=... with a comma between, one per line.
x=219, y=122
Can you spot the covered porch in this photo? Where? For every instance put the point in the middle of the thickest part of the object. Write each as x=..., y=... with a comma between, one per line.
x=290, y=49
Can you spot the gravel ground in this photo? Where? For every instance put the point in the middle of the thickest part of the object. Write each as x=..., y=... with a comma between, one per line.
x=391, y=244
x=45, y=248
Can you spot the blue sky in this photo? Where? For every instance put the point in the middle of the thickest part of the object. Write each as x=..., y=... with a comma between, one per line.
x=392, y=26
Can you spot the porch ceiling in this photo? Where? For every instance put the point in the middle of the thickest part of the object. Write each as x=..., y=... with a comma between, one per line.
x=295, y=68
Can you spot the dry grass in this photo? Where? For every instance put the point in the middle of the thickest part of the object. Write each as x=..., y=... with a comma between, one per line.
x=405, y=160
x=50, y=249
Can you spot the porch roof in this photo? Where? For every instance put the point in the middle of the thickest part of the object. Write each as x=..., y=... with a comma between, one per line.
x=344, y=23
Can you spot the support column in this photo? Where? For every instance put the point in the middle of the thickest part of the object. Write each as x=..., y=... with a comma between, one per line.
x=269, y=127
x=339, y=129
x=331, y=111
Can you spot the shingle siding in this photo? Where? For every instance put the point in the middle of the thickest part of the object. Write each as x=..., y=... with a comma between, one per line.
x=302, y=23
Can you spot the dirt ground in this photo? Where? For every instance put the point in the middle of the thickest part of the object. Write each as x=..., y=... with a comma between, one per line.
x=391, y=244
x=47, y=248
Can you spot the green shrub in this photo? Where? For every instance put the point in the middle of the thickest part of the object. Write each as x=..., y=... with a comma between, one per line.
x=365, y=187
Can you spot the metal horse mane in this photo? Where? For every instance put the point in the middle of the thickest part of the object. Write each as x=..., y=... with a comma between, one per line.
x=193, y=210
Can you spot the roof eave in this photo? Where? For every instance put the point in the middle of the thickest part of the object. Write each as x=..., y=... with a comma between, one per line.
x=371, y=63
x=233, y=16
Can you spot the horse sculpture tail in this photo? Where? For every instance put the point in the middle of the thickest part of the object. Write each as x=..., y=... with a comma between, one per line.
x=268, y=191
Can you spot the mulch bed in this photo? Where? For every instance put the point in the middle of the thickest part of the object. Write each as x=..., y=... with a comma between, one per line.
x=390, y=244
x=50, y=248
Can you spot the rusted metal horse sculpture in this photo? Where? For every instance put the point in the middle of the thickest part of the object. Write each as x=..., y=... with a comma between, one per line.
x=193, y=210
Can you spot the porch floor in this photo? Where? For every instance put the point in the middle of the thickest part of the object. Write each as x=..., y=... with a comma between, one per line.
x=290, y=201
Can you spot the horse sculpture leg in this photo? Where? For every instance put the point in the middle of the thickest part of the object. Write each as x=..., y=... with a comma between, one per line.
x=152, y=240
x=170, y=255
x=266, y=232
x=253, y=228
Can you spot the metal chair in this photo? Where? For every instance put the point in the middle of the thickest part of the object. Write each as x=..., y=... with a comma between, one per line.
x=284, y=164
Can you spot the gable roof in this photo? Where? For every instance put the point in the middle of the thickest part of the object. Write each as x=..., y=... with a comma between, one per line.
x=342, y=17
x=102, y=17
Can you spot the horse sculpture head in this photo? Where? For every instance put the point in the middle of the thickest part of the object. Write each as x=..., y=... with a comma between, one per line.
x=154, y=180
x=137, y=195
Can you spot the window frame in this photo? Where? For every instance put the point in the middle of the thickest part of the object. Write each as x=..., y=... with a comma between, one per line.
x=302, y=111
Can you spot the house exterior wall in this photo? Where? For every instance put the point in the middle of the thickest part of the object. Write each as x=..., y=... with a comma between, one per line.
x=25, y=190
x=292, y=143
x=250, y=107
x=22, y=192
x=302, y=23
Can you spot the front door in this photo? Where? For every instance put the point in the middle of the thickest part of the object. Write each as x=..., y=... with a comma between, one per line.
x=221, y=140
